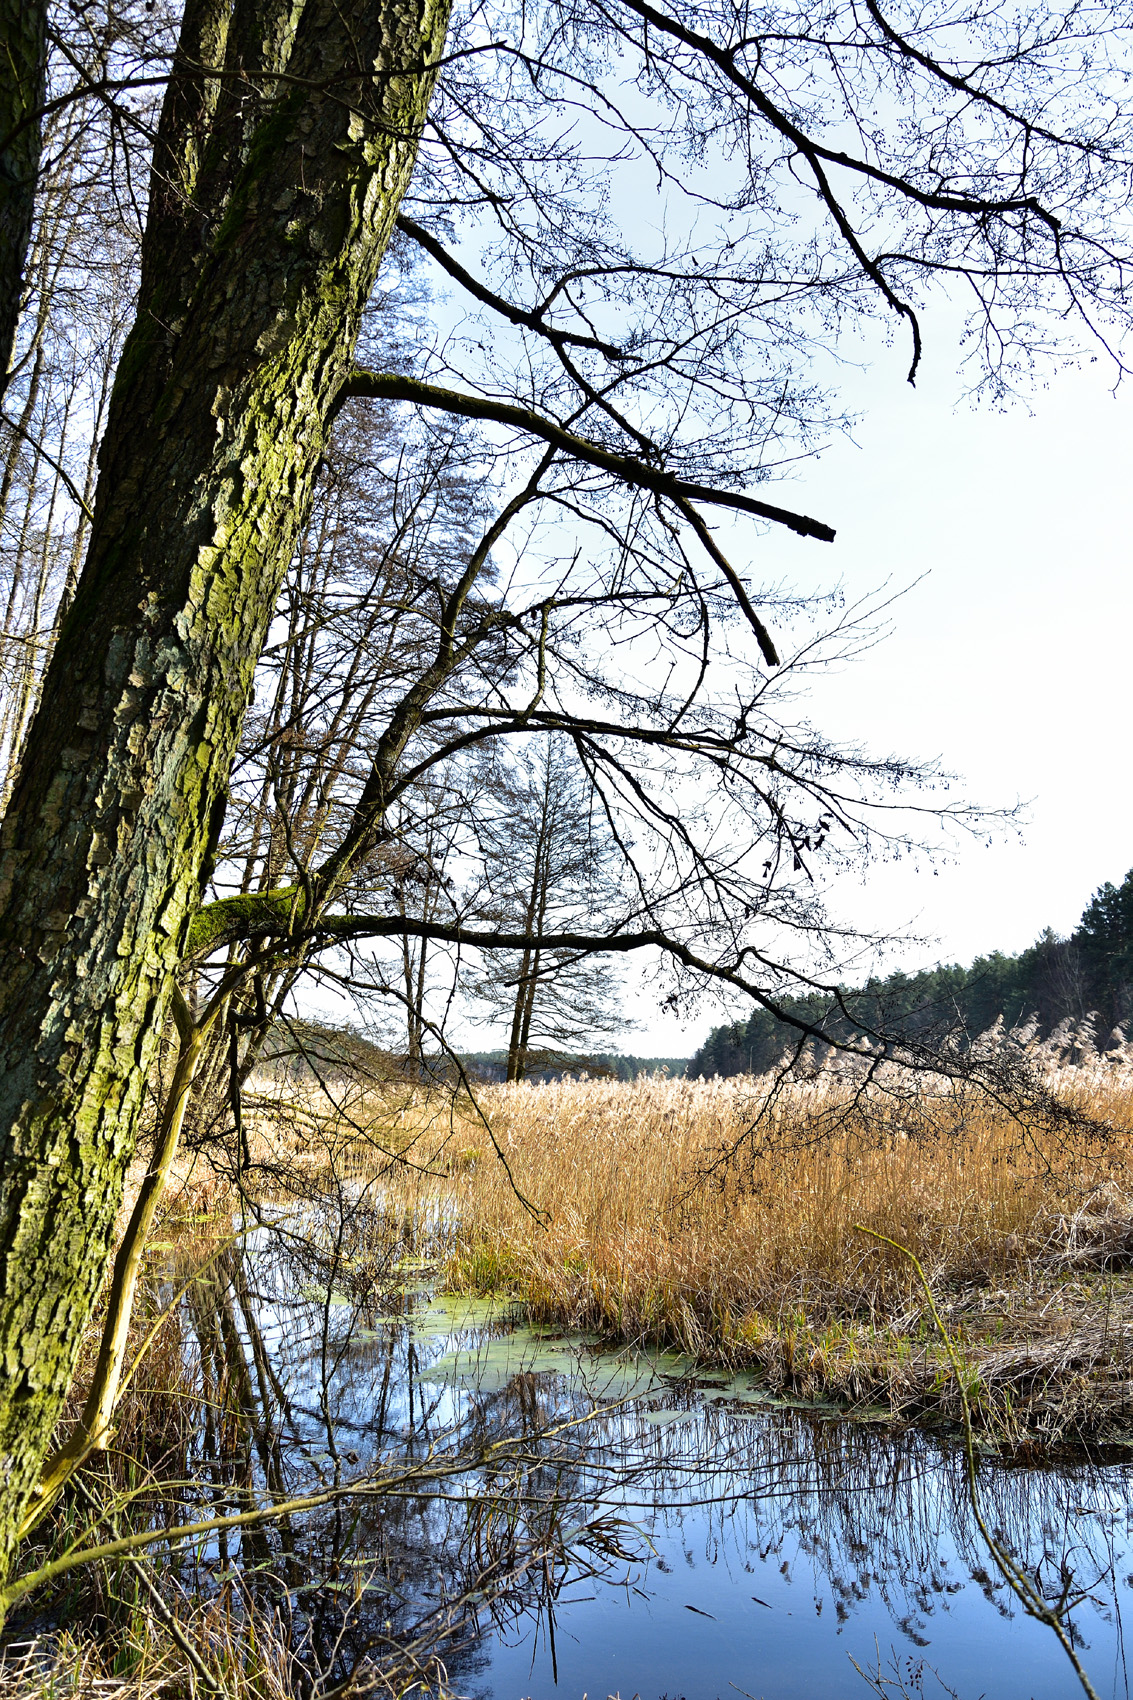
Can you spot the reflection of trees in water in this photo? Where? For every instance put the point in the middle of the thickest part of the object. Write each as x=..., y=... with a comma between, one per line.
x=305, y=1375
x=298, y=1388
x=884, y=1513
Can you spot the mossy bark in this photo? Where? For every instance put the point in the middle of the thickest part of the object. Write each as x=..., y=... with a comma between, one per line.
x=268, y=219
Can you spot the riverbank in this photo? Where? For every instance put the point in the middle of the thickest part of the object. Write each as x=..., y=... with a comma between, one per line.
x=302, y=1343
x=658, y=1222
x=734, y=1222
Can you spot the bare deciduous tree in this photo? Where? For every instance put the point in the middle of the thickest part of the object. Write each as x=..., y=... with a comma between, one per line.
x=817, y=166
x=551, y=866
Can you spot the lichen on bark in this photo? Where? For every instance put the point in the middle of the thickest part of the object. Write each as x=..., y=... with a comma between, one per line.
x=263, y=244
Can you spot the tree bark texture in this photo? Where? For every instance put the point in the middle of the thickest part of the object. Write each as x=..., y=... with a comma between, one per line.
x=270, y=208
x=23, y=59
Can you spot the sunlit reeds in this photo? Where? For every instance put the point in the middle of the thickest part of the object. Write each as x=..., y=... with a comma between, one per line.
x=674, y=1212
x=722, y=1218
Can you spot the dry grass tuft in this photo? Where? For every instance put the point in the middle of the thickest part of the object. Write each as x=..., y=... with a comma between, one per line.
x=235, y=1657
x=759, y=1263
x=221, y=1648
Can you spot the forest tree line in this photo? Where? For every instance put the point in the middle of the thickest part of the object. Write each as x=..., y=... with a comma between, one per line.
x=390, y=655
x=1086, y=977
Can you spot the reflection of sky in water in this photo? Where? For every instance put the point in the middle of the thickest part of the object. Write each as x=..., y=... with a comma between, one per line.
x=764, y=1544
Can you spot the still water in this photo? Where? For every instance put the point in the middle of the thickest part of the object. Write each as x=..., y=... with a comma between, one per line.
x=639, y=1528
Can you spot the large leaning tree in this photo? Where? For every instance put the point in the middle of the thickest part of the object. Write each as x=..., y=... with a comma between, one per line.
x=811, y=166
x=270, y=210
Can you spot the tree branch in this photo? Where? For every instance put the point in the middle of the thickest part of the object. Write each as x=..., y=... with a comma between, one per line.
x=270, y=914
x=529, y=319
x=763, y=636
x=392, y=386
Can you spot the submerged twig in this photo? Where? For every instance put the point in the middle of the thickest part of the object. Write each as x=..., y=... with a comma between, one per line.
x=1013, y=1573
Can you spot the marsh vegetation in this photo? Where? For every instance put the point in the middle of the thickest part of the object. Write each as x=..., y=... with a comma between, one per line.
x=705, y=1217
x=402, y=1402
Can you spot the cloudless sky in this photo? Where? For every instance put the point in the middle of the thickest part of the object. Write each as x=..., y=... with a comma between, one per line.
x=1007, y=659
x=1010, y=660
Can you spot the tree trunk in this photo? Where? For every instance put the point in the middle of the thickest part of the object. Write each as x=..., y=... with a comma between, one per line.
x=23, y=52
x=263, y=243
x=527, y=988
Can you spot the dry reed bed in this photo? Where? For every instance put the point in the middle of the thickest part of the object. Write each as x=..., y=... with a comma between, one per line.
x=239, y=1653
x=618, y=1213
x=759, y=1261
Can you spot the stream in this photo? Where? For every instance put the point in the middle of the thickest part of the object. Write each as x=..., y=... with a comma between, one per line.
x=642, y=1527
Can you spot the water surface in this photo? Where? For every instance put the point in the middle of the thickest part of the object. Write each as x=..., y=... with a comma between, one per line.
x=661, y=1533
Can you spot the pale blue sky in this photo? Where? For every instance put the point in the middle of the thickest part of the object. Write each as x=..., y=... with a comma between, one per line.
x=1009, y=660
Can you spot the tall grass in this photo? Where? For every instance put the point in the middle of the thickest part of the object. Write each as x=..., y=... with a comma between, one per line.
x=223, y=1648
x=721, y=1218
x=724, y=1218
x=661, y=1222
